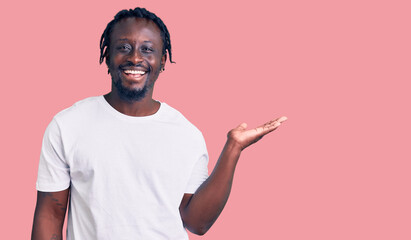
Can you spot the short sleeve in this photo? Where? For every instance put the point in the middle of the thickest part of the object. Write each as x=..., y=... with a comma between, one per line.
x=53, y=173
x=198, y=175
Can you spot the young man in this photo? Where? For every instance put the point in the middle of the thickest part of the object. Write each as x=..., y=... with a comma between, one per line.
x=134, y=167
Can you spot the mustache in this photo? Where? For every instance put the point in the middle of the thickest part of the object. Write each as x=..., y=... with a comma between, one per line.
x=139, y=65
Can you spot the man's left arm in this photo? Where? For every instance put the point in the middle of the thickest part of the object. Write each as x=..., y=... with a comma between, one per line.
x=200, y=210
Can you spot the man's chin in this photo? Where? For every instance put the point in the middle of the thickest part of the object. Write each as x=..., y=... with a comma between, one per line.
x=130, y=94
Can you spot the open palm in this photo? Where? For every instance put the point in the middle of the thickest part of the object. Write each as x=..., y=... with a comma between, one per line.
x=245, y=137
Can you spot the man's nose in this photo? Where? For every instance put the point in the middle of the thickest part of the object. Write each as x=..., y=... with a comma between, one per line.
x=135, y=57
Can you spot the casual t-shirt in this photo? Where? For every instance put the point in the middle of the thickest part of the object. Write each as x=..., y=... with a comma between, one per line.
x=127, y=175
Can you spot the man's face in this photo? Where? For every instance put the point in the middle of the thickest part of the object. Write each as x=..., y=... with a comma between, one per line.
x=135, y=57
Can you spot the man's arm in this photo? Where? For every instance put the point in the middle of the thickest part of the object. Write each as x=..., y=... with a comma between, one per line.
x=200, y=210
x=49, y=215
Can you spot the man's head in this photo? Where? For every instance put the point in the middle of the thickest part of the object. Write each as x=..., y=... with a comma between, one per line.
x=136, y=13
x=135, y=45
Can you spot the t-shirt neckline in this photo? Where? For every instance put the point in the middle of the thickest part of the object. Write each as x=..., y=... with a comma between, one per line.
x=118, y=114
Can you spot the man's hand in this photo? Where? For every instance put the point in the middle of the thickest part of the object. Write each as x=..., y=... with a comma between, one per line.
x=244, y=138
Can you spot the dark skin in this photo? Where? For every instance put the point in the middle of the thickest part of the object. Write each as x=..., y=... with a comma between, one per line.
x=49, y=215
x=135, y=58
x=135, y=45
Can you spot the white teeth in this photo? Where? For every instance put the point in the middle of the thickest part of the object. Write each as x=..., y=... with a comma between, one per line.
x=134, y=72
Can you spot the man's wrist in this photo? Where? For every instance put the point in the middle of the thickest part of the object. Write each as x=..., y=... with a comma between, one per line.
x=233, y=146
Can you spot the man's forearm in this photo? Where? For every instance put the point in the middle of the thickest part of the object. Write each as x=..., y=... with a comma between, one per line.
x=46, y=228
x=209, y=200
x=49, y=215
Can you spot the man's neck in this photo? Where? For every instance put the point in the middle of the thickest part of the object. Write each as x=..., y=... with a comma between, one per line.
x=144, y=107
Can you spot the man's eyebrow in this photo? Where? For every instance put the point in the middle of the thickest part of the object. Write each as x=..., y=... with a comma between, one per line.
x=126, y=40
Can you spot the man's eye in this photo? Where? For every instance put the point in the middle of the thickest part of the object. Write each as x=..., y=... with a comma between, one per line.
x=123, y=48
x=146, y=49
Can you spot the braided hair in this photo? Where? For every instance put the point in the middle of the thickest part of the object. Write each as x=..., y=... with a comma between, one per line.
x=136, y=13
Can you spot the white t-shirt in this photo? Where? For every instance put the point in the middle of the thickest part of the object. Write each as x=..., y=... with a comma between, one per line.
x=127, y=174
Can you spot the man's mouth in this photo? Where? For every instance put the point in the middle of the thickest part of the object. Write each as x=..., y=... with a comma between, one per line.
x=134, y=73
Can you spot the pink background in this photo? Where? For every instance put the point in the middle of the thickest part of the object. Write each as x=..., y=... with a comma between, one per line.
x=339, y=168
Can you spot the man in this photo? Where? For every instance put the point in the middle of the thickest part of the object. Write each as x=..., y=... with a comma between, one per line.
x=134, y=167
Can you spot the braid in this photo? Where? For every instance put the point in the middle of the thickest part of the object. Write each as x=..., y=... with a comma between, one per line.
x=136, y=13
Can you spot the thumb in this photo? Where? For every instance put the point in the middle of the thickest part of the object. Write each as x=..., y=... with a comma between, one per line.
x=242, y=126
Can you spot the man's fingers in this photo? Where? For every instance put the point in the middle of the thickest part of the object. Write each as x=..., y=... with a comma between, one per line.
x=282, y=119
x=271, y=125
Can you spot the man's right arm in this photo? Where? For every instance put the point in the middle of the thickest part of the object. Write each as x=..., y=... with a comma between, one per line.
x=49, y=215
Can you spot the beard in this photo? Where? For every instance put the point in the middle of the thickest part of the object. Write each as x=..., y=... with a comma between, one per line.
x=131, y=95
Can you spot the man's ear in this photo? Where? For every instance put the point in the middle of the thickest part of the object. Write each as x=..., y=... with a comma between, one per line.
x=164, y=60
x=107, y=62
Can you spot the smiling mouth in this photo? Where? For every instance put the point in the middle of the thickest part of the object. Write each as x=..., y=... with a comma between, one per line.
x=134, y=73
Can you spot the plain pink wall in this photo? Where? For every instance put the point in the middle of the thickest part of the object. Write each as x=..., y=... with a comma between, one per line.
x=339, y=168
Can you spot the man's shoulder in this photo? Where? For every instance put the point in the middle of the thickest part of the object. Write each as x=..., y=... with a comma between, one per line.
x=174, y=116
x=86, y=105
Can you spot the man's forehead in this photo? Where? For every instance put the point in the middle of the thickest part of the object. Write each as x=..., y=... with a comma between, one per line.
x=132, y=28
